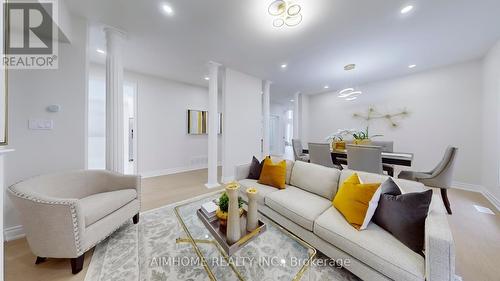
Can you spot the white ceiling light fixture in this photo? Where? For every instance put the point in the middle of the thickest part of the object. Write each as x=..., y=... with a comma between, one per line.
x=206, y=78
x=412, y=66
x=349, y=93
x=167, y=9
x=101, y=51
x=326, y=87
x=292, y=100
x=285, y=13
x=407, y=9
x=284, y=66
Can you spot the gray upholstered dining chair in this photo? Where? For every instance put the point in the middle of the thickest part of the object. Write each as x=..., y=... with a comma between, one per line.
x=386, y=146
x=319, y=153
x=440, y=177
x=66, y=214
x=366, y=158
x=298, y=154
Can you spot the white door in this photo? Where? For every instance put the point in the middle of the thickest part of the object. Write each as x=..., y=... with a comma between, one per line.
x=275, y=135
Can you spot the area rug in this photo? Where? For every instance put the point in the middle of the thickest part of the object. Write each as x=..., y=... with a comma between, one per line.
x=149, y=252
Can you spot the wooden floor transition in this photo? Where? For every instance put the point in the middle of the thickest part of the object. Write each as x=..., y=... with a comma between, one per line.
x=477, y=235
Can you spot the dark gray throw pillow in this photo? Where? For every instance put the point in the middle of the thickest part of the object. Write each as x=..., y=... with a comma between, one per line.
x=403, y=215
x=255, y=169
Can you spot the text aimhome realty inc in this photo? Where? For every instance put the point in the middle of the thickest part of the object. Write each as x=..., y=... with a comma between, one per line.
x=247, y=261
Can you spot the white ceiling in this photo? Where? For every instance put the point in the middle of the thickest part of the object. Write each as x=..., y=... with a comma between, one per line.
x=239, y=34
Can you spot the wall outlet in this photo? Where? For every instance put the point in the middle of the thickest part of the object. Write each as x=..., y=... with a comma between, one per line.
x=40, y=124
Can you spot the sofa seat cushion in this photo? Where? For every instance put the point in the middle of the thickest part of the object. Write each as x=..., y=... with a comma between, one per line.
x=373, y=246
x=297, y=205
x=262, y=189
x=98, y=206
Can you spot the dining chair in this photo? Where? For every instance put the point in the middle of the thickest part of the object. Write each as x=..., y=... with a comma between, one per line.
x=366, y=158
x=387, y=146
x=440, y=177
x=319, y=153
x=298, y=153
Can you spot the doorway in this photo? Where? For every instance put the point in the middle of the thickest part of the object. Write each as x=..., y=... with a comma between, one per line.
x=96, y=136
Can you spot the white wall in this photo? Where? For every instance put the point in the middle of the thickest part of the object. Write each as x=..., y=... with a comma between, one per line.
x=164, y=146
x=30, y=92
x=242, y=120
x=491, y=122
x=445, y=107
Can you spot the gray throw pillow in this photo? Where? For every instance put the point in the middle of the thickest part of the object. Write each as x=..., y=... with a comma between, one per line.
x=403, y=215
x=255, y=169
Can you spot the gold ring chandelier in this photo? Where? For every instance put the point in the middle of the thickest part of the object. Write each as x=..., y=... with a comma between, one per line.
x=285, y=13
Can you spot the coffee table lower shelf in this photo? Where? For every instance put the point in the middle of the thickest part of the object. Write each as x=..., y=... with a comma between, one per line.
x=212, y=224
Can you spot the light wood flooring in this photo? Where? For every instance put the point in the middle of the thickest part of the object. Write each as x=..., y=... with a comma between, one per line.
x=477, y=235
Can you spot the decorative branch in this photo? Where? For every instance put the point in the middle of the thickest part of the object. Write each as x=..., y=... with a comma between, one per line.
x=373, y=114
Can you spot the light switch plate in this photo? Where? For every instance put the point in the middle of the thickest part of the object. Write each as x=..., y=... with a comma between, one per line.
x=40, y=124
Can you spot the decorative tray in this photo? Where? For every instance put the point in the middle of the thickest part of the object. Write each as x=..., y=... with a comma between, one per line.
x=212, y=224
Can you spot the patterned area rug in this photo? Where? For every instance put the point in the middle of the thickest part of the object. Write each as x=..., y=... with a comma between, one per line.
x=149, y=252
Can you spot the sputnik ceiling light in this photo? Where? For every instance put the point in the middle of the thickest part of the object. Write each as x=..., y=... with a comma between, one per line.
x=285, y=12
x=349, y=93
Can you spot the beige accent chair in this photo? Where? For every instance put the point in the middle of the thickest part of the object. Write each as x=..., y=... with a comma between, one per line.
x=364, y=158
x=66, y=214
x=298, y=153
x=440, y=177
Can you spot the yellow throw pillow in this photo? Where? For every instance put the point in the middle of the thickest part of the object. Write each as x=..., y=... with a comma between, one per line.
x=273, y=174
x=353, y=200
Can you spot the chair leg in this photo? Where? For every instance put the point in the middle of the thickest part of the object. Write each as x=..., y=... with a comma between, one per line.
x=444, y=195
x=77, y=264
x=40, y=260
x=136, y=219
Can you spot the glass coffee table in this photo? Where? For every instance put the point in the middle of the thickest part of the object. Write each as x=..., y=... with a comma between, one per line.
x=275, y=254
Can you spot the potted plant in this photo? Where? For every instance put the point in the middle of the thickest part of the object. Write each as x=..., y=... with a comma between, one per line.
x=337, y=140
x=221, y=212
x=363, y=137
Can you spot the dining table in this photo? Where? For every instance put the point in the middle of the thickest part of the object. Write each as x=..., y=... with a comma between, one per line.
x=390, y=158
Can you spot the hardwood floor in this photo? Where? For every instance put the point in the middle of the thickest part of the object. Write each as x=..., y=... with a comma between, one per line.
x=477, y=235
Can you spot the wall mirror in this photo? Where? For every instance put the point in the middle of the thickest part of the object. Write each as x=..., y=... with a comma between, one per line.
x=198, y=122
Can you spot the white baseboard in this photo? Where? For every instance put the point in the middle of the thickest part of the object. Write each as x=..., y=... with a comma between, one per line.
x=480, y=189
x=13, y=233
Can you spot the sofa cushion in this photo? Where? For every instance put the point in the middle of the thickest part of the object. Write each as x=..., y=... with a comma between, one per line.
x=317, y=179
x=373, y=246
x=406, y=186
x=297, y=205
x=97, y=206
x=262, y=189
x=273, y=173
x=289, y=167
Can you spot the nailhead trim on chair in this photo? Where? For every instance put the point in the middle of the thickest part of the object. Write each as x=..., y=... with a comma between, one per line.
x=66, y=203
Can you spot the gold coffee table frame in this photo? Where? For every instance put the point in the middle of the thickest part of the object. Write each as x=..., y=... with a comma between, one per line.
x=194, y=242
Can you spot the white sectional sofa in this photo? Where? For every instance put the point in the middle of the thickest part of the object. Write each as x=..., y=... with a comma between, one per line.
x=305, y=209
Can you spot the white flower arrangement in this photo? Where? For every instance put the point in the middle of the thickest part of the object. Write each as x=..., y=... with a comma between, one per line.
x=340, y=134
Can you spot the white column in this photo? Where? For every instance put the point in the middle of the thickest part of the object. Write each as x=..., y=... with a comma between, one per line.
x=213, y=113
x=296, y=116
x=3, y=151
x=266, y=111
x=114, y=100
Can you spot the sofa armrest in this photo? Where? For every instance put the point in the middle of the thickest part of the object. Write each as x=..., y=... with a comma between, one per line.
x=53, y=226
x=241, y=171
x=439, y=245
